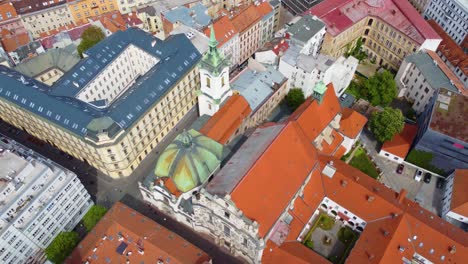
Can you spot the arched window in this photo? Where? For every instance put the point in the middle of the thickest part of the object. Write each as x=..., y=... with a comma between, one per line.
x=369, y=23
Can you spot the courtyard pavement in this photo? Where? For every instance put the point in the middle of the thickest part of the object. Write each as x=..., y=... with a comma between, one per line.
x=335, y=248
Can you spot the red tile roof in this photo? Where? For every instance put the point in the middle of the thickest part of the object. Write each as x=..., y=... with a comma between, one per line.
x=401, y=143
x=448, y=47
x=6, y=7
x=222, y=125
x=291, y=252
x=264, y=8
x=314, y=117
x=287, y=155
x=351, y=123
x=339, y=15
x=246, y=18
x=332, y=147
x=12, y=42
x=459, y=203
x=224, y=30
x=132, y=19
x=137, y=231
x=28, y=6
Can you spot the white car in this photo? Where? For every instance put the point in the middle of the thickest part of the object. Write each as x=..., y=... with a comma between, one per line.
x=418, y=176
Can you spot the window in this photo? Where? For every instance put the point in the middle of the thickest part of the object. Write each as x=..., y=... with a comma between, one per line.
x=227, y=231
x=227, y=215
x=208, y=82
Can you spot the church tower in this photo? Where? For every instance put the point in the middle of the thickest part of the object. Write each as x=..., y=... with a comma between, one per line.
x=214, y=79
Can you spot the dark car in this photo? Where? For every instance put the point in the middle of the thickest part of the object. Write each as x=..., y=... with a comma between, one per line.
x=400, y=168
x=427, y=177
x=440, y=183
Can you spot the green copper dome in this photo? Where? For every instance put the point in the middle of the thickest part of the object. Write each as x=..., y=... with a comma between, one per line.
x=189, y=160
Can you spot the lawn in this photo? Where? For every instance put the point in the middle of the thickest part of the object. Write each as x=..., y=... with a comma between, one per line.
x=348, y=237
x=362, y=162
x=423, y=159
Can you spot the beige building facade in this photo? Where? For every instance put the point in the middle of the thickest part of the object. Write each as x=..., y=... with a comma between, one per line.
x=117, y=140
x=45, y=20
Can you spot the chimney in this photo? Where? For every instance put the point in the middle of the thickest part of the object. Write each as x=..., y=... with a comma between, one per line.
x=385, y=233
x=356, y=178
x=401, y=195
x=153, y=43
x=370, y=255
x=370, y=198
x=344, y=183
x=452, y=249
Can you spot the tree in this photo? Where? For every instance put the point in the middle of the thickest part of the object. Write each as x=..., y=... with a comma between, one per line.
x=379, y=89
x=295, y=98
x=90, y=37
x=356, y=51
x=93, y=216
x=387, y=123
x=62, y=246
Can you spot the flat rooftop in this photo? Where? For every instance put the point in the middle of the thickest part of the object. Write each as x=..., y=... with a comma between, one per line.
x=449, y=115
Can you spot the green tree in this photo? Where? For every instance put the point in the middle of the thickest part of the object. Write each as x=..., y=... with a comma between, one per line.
x=62, y=246
x=387, y=123
x=379, y=89
x=295, y=98
x=93, y=216
x=90, y=37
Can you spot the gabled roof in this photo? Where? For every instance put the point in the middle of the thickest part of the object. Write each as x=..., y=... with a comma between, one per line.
x=222, y=125
x=459, y=203
x=311, y=122
x=5, y=8
x=137, y=232
x=401, y=143
x=264, y=8
x=291, y=252
x=28, y=6
x=339, y=15
x=224, y=30
x=448, y=47
x=51, y=59
x=351, y=122
x=258, y=196
x=246, y=18
x=112, y=21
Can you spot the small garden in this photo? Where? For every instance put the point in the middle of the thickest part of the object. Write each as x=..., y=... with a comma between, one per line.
x=423, y=159
x=362, y=162
x=329, y=239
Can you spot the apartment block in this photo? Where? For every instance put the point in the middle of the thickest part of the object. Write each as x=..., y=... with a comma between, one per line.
x=420, y=5
x=39, y=199
x=52, y=18
x=228, y=39
x=441, y=131
x=421, y=75
x=127, y=6
x=307, y=34
x=9, y=19
x=249, y=25
x=389, y=29
x=298, y=7
x=82, y=9
x=113, y=107
x=451, y=15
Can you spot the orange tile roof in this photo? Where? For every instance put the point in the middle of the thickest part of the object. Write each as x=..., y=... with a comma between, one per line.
x=224, y=30
x=441, y=64
x=401, y=143
x=264, y=8
x=137, y=232
x=351, y=123
x=6, y=7
x=288, y=156
x=340, y=152
x=459, y=203
x=113, y=21
x=332, y=148
x=290, y=252
x=222, y=125
x=448, y=47
x=12, y=42
x=246, y=18
x=314, y=117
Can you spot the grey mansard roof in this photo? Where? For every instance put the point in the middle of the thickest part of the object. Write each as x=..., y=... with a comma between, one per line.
x=57, y=104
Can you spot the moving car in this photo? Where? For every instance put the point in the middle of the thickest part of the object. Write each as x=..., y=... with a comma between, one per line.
x=427, y=177
x=400, y=168
x=418, y=175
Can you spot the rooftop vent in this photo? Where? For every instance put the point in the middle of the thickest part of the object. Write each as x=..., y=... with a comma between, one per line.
x=153, y=43
x=452, y=249
x=344, y=183
x=401, y=248
x=329, y=170
x=370, y=198
x=385, y=233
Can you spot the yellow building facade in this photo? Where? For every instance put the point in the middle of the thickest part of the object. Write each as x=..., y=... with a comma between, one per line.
x=82, y=9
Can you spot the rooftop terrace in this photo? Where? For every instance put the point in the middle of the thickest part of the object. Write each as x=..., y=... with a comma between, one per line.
x=449, y=115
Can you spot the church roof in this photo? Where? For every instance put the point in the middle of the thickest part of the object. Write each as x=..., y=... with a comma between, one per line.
x=189, y=160
x=213, y=60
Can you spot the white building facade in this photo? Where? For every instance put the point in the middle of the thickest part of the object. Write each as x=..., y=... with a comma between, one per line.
x=307, y=33
x=39, y=200
x=214, y=79
x=48, y=19
x=454, y=186
x=451, y=15
x=420, y=76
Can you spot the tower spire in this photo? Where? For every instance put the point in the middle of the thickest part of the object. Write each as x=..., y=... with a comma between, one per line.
x=213, y=42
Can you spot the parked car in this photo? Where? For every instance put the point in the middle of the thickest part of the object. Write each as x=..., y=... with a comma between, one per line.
x=400, y=168
x=418, y=176
x=427, y=177
x=440, y=183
